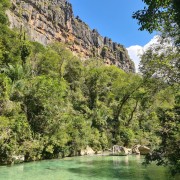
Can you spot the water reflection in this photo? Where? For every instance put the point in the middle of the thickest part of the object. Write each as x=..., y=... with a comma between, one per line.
x=138, y=158
x=126, y=160
x=117, y=161
x=85, y=168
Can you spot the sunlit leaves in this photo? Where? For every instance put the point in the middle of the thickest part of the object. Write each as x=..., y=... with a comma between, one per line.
x=160, y=16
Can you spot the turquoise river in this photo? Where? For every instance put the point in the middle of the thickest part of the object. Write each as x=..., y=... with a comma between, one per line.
x=85, y=168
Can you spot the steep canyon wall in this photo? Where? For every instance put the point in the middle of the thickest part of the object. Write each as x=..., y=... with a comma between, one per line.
x=49, y=20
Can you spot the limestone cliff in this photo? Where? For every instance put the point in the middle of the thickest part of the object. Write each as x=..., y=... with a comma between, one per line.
x=48, y=20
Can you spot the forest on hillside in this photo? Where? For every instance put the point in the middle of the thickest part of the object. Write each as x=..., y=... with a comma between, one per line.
x=52, y=104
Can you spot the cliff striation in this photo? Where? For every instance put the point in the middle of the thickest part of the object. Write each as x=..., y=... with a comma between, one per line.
x=49, y=20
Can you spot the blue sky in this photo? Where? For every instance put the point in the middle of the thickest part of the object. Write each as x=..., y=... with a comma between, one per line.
x=113, y=18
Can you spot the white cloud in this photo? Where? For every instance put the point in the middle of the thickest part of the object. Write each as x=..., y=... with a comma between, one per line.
x=136, y=51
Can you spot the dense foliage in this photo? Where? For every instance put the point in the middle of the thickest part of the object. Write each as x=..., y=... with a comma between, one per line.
x=53, y=105
x=163, y=63
x=163, y=16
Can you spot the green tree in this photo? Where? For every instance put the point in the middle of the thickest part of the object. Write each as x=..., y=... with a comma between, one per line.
x=168, y=152
x=4, y=5
x=162, y=16
x=162, y=63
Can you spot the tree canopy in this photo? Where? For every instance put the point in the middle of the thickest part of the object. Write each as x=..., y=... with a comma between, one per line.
x=162, y=63
x=160, y=16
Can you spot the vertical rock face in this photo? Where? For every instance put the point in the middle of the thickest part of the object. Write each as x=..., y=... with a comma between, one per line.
x=49, y=20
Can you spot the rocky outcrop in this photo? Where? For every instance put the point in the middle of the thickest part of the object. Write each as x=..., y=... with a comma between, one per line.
x=144, y=150
x=135, y=149
x=120, y=150
x=87, y=151
x=18, y=159
x=139, y=149
x=49, y=20
x=129, y=151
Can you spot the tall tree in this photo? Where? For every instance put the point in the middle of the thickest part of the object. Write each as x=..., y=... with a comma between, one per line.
x=162, y=63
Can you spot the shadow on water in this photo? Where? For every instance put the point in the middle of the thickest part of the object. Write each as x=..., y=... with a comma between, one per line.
x=117, y=168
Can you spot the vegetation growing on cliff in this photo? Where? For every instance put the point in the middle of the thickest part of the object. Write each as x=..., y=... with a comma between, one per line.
x=53, y=105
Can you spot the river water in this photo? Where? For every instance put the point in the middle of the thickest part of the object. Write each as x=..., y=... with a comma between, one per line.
x=85, y=168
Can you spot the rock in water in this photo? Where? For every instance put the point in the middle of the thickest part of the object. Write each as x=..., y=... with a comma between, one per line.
x=135, y=149
x=87, y=151
x=120, y=150
x=140, y=149
x=144, y=150
x=18, y=159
